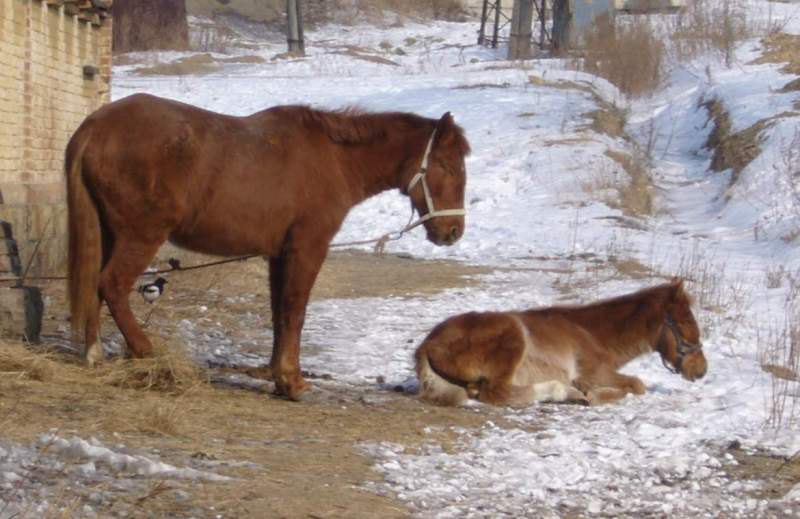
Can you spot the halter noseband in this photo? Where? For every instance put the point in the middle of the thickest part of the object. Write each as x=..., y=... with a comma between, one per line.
x=421, y=177
x=684, y=347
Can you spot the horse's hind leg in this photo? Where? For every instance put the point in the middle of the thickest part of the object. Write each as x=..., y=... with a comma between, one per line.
x=93, y=350
x=128, y=260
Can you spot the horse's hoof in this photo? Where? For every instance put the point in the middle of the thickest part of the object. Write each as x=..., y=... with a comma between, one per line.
x=93, y=355
x=293, y=391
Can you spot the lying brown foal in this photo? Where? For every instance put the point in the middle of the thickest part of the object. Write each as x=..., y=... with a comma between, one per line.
x=561, y=353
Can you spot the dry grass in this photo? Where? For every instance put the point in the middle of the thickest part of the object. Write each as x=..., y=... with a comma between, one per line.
x=731, y=150
x=780, y=47
x=629, y=55
x=197, y=64
x=23, y=364
x=304, y=456
x=635, y=54
x=608, y=119
x=791, y=86
x=636, y=197
x=710, y=26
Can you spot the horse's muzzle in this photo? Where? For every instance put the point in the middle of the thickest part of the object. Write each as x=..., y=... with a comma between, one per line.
x=446, y=235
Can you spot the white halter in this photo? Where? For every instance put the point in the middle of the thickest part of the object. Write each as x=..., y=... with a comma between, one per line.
x=423, y=171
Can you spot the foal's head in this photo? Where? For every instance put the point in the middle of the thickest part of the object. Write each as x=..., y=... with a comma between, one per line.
x=679, y=341
x=437, y=191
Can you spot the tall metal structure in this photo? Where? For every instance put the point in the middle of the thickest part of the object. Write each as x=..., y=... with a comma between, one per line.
x=493, y=19
x=492, y=12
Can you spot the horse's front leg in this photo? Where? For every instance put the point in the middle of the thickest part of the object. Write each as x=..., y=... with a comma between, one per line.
x=292, y=276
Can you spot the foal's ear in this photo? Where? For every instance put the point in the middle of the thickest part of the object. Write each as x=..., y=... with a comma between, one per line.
x=445, y=121
x=677, y=286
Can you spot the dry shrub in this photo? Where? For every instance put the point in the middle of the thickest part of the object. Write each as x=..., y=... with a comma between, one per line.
x=779, y=351
x=344, y=11
x=211, y=38
x=732, y=151
x=169, y=370
x=710, y=26
x=629, y=55
x=608, y=119
x=635, y=198
x=17, y=361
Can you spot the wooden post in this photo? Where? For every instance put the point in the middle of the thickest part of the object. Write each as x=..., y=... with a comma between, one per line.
x=519, y=43
x=295, y=28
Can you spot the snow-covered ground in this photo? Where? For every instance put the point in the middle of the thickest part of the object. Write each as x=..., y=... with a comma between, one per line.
x=534, y=208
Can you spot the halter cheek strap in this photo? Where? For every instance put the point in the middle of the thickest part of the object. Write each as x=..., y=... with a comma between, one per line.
x=420, y=177
x=684, y=347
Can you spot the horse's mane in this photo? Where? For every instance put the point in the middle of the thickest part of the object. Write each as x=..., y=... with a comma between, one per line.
x=352, y=126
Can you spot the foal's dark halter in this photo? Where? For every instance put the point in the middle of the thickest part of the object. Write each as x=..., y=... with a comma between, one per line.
x=684, y=347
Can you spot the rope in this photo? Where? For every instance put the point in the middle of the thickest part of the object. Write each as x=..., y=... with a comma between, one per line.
x=175, y=266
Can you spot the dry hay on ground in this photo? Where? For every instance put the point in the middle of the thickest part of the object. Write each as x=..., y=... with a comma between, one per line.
x=302, y=458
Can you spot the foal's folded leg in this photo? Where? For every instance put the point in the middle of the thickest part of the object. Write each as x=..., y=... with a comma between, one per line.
x=604, y=395
x=503, y=393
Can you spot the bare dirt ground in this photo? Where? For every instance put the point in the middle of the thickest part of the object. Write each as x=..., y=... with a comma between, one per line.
x=288, y=459
x=306, y=457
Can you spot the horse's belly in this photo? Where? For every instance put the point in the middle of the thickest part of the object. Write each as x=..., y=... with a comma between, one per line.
x=233, y=241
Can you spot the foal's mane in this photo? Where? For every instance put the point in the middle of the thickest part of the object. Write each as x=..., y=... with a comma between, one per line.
x=351, y=126
x=640, y=303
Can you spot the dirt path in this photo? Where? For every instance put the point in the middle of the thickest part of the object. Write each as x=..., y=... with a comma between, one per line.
x=305, y=459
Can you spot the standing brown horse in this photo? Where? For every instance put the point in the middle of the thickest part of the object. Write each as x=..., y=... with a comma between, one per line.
x=559, y=353
x=277, y=183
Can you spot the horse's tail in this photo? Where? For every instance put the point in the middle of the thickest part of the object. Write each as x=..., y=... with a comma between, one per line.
x=85, y=245
x=433, y=387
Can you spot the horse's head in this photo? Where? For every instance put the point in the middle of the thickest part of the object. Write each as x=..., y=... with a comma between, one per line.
x=679, y=343
x=437, y=190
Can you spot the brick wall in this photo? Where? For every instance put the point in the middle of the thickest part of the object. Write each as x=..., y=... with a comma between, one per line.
x=44, y=96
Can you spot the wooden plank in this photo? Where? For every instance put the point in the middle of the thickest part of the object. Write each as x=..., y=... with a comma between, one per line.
x=55, y=3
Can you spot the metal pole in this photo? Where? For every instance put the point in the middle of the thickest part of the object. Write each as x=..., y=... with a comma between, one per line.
x=519, y=42
x=542, y=21
x=295, y=29
x=482, y=34
x=497, y=8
